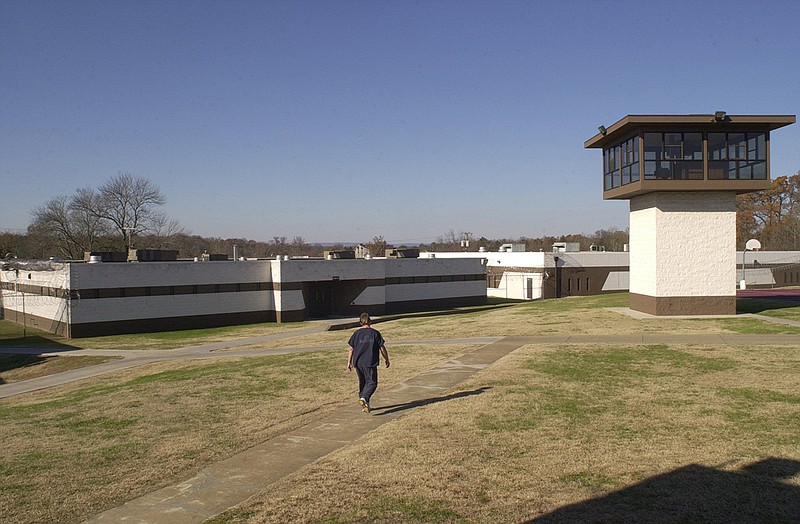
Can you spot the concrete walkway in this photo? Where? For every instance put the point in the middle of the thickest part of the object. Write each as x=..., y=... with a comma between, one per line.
x=225, y=484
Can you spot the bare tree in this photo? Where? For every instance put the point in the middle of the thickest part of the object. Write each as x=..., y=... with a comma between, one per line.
x=130, y=204
x=83, y=208
x=54, y=221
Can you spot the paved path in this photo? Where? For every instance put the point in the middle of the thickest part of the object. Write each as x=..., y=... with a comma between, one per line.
x=225, y=484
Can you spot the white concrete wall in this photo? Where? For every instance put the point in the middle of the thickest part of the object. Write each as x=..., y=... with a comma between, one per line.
x=594, y=259
x=617, y=281
x=409, y=267
x=34, y=304
x=312, y=270
x=514, y=285
x=642, y=245
x=683, y=244
x=114, y=275
x=166, y=306
x=440, y=290
x=500, y=258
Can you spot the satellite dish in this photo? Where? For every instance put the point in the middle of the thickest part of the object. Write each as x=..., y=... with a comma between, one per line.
x=752, y=245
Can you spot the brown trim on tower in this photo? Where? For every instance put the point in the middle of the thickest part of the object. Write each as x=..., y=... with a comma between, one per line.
x=671, y=306
x=644, y=186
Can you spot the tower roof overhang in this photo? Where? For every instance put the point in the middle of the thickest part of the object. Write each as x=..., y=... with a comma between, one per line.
x=720, y=120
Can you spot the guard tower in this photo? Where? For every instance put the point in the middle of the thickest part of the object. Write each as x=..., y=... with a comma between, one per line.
x=681, y=174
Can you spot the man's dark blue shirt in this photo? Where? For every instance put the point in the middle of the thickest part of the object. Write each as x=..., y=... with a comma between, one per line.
x=366, y=343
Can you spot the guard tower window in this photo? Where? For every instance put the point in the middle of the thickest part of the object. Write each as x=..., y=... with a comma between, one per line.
x=630, y=160
x=621, y=163
x=737, y=156
x=676, y=156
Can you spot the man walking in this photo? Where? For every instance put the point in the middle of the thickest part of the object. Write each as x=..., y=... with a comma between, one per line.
x=366, y=347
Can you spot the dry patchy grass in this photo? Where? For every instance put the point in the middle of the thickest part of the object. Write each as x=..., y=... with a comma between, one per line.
x=566, y=316
x=11, y=335
x=622, y=427
x=73, y=451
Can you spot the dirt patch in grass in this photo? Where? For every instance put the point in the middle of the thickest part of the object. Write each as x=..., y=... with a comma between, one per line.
x=73, y=451
x=573, y=428
x=14, y=368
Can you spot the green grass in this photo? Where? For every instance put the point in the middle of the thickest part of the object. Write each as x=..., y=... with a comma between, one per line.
x=15, y=335
x=586, y=479
x=582, y=383
x=749, y=396
x=618, y=366
x=754, y=326
x=14, y=368
x=773, y=308
x=573, y=303
x=580, y=397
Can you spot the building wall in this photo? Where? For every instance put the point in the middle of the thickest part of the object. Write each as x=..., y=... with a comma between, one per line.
x=518, y=285
x=768, y=269
x=169, y=289
x=107, y=298
x=553, y=275
x=36, y=298
x=383, y=285
x=591, y=273
x=683, y=253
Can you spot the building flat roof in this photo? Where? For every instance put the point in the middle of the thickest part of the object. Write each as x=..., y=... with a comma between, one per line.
x=629, y=123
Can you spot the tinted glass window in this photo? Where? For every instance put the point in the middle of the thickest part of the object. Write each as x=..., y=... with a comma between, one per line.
x=716, y=146
x=652, y=146
x=693, y=146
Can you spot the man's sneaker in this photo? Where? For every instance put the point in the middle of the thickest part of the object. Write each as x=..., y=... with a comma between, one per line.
x=364, y=405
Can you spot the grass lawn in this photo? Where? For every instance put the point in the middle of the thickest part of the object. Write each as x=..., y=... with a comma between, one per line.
x=11, y=335
x=72, y=451
x=600, y=429
x=772, y=308
x=574, y=434
x=14, y=368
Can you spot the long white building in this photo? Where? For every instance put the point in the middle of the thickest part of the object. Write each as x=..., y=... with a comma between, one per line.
x=531, y=275
x=526, y=275
x=78, y=299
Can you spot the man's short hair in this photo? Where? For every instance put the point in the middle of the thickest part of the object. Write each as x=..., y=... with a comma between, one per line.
x=363, y=319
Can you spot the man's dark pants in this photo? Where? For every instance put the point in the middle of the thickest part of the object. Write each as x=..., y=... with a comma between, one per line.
x=367, y=382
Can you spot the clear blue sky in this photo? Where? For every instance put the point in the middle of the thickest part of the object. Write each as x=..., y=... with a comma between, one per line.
x=342, y=120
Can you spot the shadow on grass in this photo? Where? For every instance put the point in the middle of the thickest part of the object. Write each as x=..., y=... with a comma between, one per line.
x=17, y=353
x=697, y=493
x=428, y=314
x=32, y=345
x=394, y=408
x=11, y=362
x=759, y=305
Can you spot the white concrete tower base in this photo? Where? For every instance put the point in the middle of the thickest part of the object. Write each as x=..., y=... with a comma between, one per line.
x=683, y=253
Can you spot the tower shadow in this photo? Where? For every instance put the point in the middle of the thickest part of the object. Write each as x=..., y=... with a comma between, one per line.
x=694, y=493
